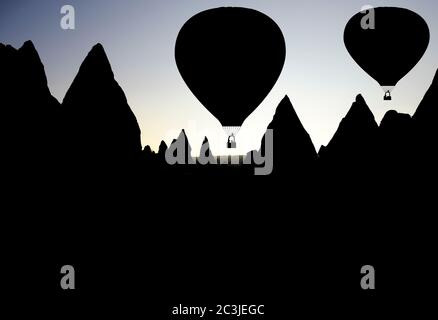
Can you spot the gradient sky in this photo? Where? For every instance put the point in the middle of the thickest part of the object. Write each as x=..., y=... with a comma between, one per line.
x=319, y=76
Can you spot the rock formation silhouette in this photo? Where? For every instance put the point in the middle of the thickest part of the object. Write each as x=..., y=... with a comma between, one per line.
x=95, y=126
x=396, y=139
x=96, y=130
x=206, y=158
x=30, y=127
x=206, y=146
x=426, y=113
x=294, y=152
x=181, y=144
x=154, y=163
x=162, y=151
x=148, y=156
x=354, y=145
x=425, y=122
x=102, y=130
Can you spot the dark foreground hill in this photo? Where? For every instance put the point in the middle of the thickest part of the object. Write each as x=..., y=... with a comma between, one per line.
x=144, y=235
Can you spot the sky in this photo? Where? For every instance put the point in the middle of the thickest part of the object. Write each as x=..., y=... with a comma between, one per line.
x=319, y=76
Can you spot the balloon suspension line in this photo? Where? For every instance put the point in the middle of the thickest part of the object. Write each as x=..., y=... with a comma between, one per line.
x=232, y=131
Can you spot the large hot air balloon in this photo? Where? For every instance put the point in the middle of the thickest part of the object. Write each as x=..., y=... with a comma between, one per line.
x=230, y=58
x=388, y=47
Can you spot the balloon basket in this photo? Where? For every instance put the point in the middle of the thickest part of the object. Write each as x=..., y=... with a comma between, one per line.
x=231, y=145
x=387, y=96
x=231, y=132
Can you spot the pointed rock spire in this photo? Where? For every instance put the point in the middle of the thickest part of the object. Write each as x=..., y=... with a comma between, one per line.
x=182, y=144
x=29, y=112
x=101, y=123
x=427, y=111
x=206, y=145
x=426, y=129
x=355, y=137
x=293, y=149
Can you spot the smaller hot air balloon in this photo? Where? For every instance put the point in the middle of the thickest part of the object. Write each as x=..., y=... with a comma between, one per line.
x=389, y=49
x=230, y=58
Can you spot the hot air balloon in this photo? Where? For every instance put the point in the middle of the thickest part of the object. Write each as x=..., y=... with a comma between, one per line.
x=388, y=48
x=230, y=58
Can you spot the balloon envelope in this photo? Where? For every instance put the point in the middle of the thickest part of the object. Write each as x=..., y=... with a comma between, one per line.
x=230, y=58
x=389, y=51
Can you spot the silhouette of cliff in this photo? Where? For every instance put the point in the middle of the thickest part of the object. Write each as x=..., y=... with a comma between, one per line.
x=102, y=129
x=207, y=162
x=162, y=151
x=396, y=139
x=425, y=122
x=206, y=148
x=293, y=150
x=29, y=113
x=148, y=155
x=351, y=223
x=154, y=164
x=426, y=113
x=355, y=141
x=96, y=127
x=181, y=144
